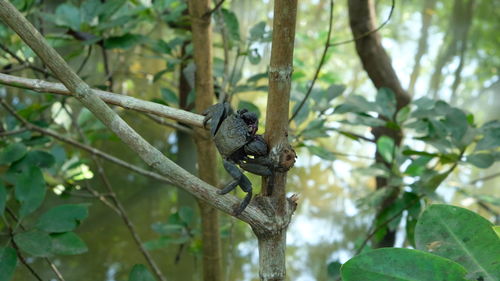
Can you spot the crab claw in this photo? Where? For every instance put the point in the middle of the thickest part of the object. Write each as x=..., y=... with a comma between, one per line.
x=216, y=114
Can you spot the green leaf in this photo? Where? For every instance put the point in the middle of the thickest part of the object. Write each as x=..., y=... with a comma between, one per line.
x=39, y=158
x=385, y=147
x=167, y=229
x=463, y=236
x=481, y=160
x=456, y=122
x=30, y=190
x=491, y=136
x=3, y=199
x=418, y=166
x=12, y=153
x=497, y=230
x=333, y=270
x=403, y=115
x=140, y=273
x=321, y=152
x=63, y=218
x=8, y=262
x=357, y=104
x=186, y=214
x=122, y=42
x=68, y=15
x=35, y=242
x=67, y=243
x=254, y=56
x=386, y=102
x=232, y=24
x=170, y=96
x=399, y=265
x=258, y=31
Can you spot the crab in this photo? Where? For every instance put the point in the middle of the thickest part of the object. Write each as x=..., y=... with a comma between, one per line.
x=236, y=140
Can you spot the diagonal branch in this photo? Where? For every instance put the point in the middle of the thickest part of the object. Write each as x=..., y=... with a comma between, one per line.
x=152, y=156
x=108, y=97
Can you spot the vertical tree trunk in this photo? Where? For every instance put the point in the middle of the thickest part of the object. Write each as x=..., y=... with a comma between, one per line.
x=427, y=11
x=272, y=244
x=202, y=42
x=378, y=66
x=464, y=34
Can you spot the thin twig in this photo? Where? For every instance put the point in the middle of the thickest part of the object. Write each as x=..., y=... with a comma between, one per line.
x=217, y=6
x=85, y=60
x=25, y=63
x=13, y=132
x=109, y=75
x=87, y=148
x=489, y=177
x=321, y=62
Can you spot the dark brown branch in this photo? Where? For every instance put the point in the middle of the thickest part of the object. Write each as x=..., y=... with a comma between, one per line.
x=25, y=63
x=13, y=132
x=370, y=32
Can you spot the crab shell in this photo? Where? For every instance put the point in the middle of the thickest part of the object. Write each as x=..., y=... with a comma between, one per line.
x=232, y=135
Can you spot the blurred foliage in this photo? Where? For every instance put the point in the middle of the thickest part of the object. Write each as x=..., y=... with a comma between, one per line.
x=142, y=47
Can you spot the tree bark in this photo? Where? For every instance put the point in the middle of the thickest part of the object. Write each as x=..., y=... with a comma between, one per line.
x=272, y=243
x=199, y=11
x=378, y=66
x=427, y=12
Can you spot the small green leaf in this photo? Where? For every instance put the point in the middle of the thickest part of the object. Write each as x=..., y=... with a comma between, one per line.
x=418, y=166
x=403, y=115
x=460, y=235
x=30, y=190
x=491, y=136
x=39, y=158
x=496, y=228
x=62, y=218
x=123, y=42
x=333, y=270
x=232, y=24
x=257, y=31
x=34, y=242
x=386, y=102
x=254, y=56
x=8, y=262
x=186, y=214
x=385, y=147
x=167, y=229
x=170, y=96
x=12, y=153
x=456, y=122
x=401, y=265
x=68, y=15
x=321, y=152
x=67, y=243
x=140, y=273
x=481, y=160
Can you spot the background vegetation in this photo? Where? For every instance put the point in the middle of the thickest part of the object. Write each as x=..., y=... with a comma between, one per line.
x=72, y=210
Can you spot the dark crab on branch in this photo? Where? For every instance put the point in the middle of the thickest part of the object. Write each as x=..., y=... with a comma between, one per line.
x=235, y=137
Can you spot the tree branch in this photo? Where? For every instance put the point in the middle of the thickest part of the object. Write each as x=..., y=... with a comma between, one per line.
x=108, y=97
x=152, y=156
